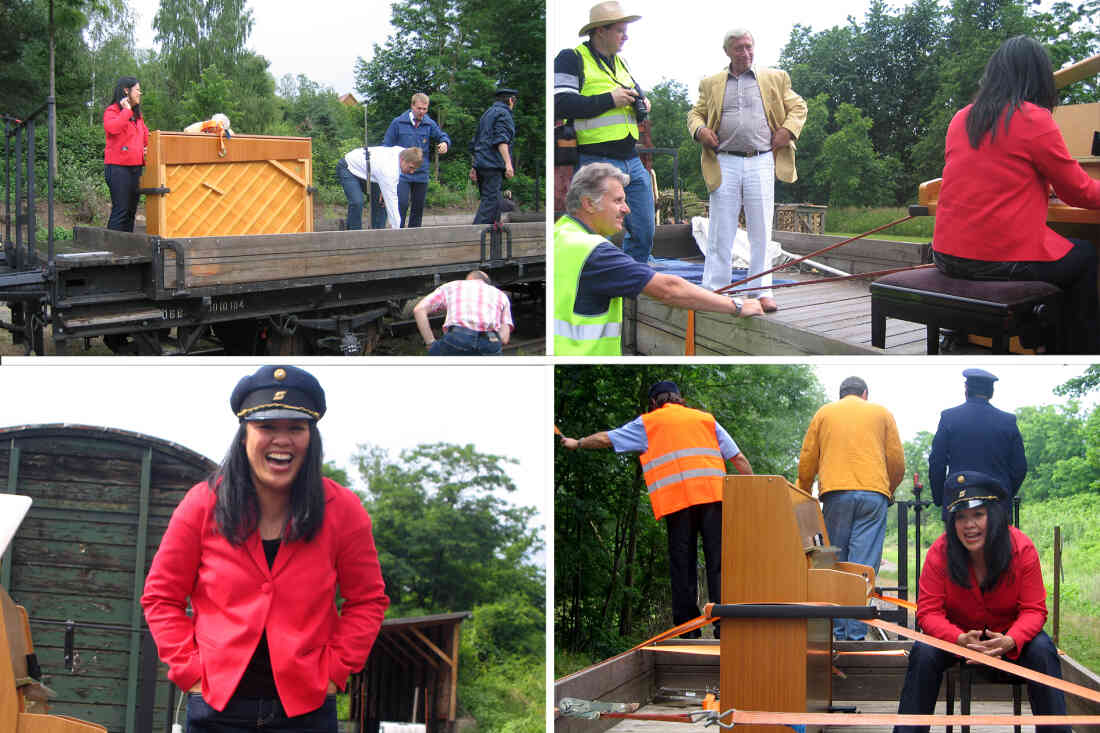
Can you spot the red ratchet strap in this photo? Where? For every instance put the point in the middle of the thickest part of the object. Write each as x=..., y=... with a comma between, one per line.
x=839, y=278
x=752, y=717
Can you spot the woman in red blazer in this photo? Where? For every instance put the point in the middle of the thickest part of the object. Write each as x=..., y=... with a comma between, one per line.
x=124, y=155
x=981, y=587
x=260, y=549
x=1003, y=154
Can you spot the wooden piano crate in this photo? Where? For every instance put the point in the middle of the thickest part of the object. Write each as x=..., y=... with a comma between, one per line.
x=257, y=185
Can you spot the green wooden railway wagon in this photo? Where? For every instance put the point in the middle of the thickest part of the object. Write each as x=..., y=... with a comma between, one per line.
x=102, y=501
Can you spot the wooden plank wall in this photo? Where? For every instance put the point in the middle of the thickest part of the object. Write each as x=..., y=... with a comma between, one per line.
x=74, y=555
x=213, y=261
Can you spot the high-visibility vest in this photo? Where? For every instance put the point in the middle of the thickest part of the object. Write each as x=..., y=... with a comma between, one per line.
x=617, y=122
x=575, y=334
x=683, y=465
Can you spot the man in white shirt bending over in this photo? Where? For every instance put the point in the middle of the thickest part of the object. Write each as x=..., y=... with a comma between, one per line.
x=386, y=166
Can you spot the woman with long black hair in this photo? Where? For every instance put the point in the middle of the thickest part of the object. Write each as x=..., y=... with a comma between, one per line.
x=124, y=155
x=981, y=587
x=1003, y=154
x=260, y=549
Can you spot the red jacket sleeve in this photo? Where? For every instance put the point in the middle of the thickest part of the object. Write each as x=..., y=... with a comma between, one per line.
x=1053, y=161
x=114, y=119
x=932, y=601
x=1032, y=596
x=170, y=581
x=363, y=590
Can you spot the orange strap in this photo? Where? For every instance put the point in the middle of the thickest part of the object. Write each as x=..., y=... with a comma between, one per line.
x=896, y=601
x=689, y=335
x=995, y=662
x=753, y=717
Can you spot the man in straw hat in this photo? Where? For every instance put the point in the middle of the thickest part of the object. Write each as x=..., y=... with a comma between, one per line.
x=593, y=87
x=746, y=119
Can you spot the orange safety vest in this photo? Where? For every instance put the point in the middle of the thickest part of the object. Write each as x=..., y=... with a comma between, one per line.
x=683, y=465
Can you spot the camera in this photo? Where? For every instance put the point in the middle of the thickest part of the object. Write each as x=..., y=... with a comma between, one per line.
x=640, y=109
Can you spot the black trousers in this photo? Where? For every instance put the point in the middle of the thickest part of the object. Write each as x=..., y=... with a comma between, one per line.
x=684, y=529
x=1075, y=274
x=377, y=207
x=927, y=665
x=489, y=181
x=124, y=181
x=410, y=200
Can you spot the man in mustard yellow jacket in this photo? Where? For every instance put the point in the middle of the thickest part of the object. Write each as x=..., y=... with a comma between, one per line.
x=853, y=448
x=747, y=120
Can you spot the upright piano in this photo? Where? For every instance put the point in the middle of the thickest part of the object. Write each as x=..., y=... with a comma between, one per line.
x=775, y=549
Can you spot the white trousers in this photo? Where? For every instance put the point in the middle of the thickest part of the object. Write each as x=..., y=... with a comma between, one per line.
x=747, y=182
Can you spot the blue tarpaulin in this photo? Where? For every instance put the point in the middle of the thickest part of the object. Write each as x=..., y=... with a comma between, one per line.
x=693, y=271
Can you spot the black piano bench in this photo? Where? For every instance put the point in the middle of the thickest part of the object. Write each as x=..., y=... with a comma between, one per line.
x=999, y=309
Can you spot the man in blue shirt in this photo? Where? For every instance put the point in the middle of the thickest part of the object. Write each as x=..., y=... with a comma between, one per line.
x=414, y=129
x=492, y=154
x=976, y=436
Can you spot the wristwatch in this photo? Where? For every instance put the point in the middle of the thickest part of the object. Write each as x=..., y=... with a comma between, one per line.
x=737, y=302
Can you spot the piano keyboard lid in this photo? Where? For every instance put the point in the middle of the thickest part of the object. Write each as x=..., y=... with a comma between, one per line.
x=12, y=510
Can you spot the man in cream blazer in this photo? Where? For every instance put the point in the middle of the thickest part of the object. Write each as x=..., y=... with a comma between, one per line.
x=746, y=120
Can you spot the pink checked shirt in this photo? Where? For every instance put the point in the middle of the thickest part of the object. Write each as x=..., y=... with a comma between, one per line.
x=472, y=304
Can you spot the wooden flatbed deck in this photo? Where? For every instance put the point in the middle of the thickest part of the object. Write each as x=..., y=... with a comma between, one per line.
x=827, y=318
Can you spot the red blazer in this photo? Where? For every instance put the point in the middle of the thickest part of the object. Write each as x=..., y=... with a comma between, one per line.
x=1015, y=606
x=126, y=140
x=235, y=597
x=993, y=202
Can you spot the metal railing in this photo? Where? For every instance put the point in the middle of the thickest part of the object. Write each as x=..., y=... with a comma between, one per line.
x=19, y=140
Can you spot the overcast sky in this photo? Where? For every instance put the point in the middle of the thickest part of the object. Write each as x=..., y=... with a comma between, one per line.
x=917, y=389
x=500, y=409
x=319, y=38
x=684, y=42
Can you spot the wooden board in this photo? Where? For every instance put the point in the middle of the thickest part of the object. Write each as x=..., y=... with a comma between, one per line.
x=261, y=185
x=213, y=261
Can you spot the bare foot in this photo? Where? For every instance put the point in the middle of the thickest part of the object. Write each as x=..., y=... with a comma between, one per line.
x=768, y=305
x=750, y=307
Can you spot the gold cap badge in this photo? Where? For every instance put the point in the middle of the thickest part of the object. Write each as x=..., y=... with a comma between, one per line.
x=280, y=374
x=962, y=493
x=281, y=394
x=960, y=479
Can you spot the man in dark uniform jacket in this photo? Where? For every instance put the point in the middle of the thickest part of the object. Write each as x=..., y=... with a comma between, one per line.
x=976, y=436
x=492, y=152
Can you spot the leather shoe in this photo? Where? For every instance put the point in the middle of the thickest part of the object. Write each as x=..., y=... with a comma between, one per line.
x=768, y=304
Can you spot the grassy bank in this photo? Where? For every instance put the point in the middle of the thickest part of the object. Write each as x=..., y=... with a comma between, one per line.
x=852, y=220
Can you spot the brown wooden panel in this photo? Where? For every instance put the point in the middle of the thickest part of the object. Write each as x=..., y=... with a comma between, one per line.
x=229, y=260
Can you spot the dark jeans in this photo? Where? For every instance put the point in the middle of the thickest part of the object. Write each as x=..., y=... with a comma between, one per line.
x=124, y=181
x=244, y=714
x=410, y=201
x=353, y=189
x=684, y=529
x=1075, y=274
x=927, y=665
x=377, y=207
x=488, y=185
x=459, y=341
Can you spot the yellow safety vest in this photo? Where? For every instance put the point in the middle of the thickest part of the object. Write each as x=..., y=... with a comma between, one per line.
x=574, y=334
x=616, y=123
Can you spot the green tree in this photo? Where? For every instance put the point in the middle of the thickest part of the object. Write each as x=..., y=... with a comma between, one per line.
x=457, y=52
x=446, y=540
x=848, y=166
x=1056, y=445
x=668, y=128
